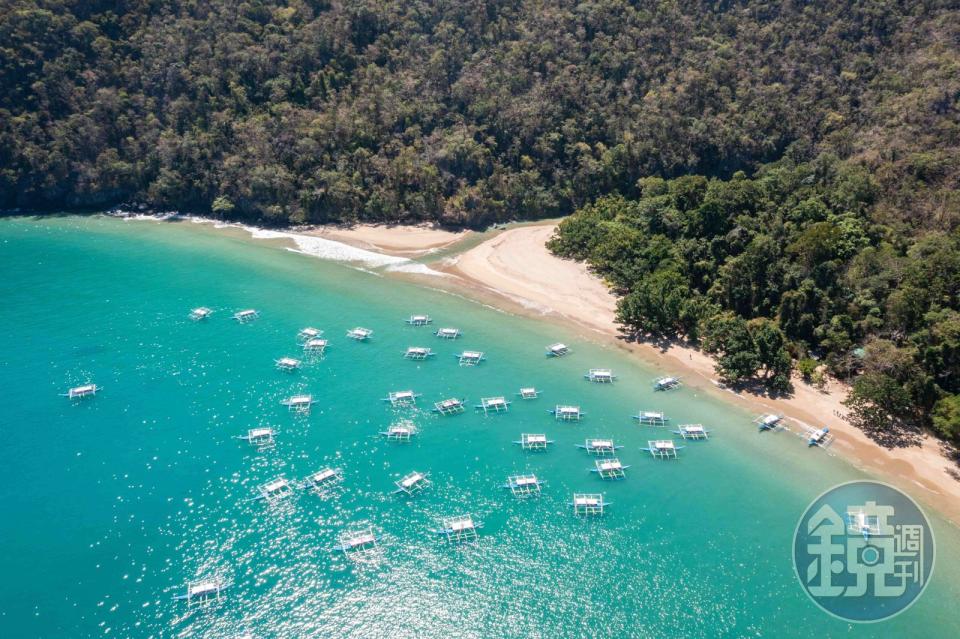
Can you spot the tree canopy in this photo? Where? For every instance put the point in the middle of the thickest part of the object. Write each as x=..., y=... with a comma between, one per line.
x=790, y=263
x=476, y=111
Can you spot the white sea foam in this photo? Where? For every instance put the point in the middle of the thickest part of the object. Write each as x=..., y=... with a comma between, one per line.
x=330, y=250
x=314, y=246
x=415, y=267
x=340, y=252
x=149, y=217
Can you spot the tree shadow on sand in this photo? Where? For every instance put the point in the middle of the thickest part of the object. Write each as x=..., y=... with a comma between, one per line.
x=892, y=434
x=951, y=452
x=660, y=343
x=758, y=388
x=755, y=386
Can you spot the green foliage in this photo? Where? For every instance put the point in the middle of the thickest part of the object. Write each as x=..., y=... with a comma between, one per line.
x=807, y=367
x=655, y=305
x=880, y=405
x=475, y=112
x=748, y=349
x=770, y=345
x=819, y=379
x=579, y=235
x=946, y=418
x=757, y=268
x=728, y=337
x=749, y=283
x=222, y=206
x=939, y=348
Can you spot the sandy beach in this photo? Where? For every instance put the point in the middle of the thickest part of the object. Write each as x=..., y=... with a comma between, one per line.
x=400, y=241
x=514, y=270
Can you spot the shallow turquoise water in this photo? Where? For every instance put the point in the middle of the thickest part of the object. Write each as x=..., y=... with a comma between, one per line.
x=111, y=505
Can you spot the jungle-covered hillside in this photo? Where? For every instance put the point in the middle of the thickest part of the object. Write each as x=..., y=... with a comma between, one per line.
x=467, y=111
x=797, y=266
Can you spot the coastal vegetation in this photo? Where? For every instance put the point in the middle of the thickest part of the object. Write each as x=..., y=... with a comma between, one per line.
x=799, y=262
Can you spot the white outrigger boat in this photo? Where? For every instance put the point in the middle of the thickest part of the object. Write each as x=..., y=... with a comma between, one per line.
x=459, y=529
x=321, y=480
x=299, y=403
x=493, y=405
x=567, y=413
x=450, y=406
x=769, y=421
x=600, y=376
x=666, y=383
x=419, y=320
x=80, y=392
x=588, y=504
x=599, y=446
x=262, y=438
x=402, y=398
x=609, y=468
x=652, y=418
x=247, y=315
x=357, y=542
x=411, y=484
x=400, y=432
x=360, y=333
x=287, y=364
x=821, y=437
x=448, y=333
x=524, y=485
x=275, y=490
x=528, y=393
x=557, y=350
x=418, y=353
x=662, y=448
x=470, y=358
x=308, y=333
x=202, y=593
x=200, y=313
x=693, y=431
x=316, y=346
x=533, y=441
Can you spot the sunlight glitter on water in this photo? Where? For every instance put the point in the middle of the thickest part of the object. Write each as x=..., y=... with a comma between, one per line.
x=128, y=497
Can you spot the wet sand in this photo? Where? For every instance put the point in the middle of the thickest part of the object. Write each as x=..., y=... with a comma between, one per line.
x=400, y=241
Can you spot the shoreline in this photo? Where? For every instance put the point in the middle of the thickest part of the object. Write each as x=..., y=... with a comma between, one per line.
x=353, y=246
x=513, y=271
x=399, y=241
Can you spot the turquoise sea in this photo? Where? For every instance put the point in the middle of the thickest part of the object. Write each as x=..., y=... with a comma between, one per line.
x=112, y=504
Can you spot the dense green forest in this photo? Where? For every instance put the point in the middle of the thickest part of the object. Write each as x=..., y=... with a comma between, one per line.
x=463, y=111
x=794, y=264
x=774, y=180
